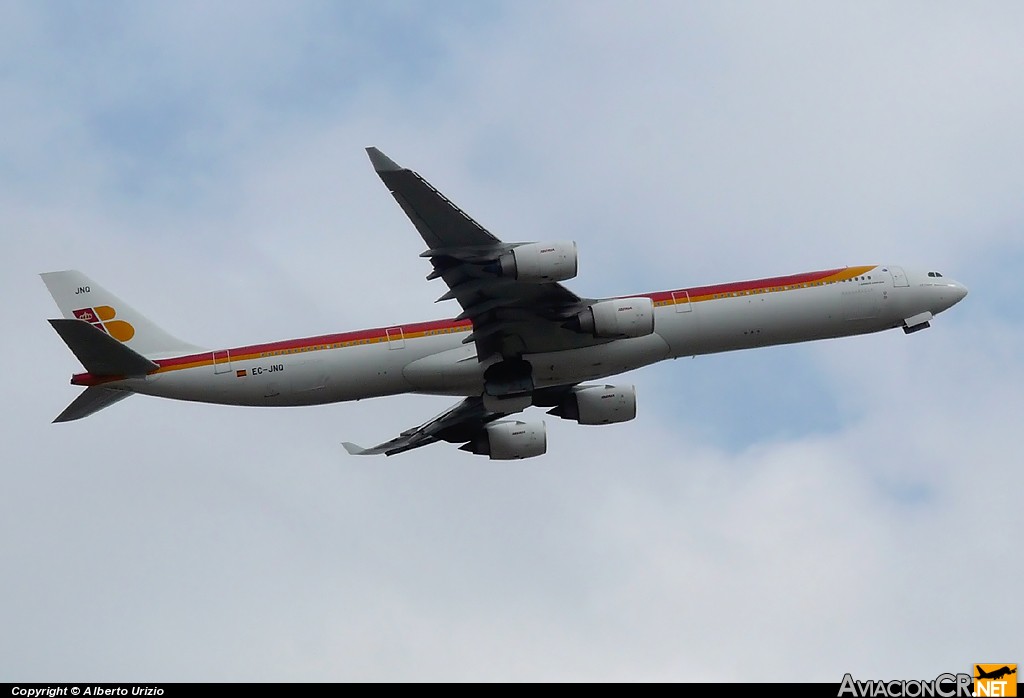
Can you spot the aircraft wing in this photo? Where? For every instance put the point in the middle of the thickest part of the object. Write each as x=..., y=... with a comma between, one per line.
x=462, y=422
x=510, y=317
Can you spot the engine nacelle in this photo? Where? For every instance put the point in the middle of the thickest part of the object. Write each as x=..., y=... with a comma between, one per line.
x=510, y=440
x=619, y=317
x=540, y=262
x=599, y=404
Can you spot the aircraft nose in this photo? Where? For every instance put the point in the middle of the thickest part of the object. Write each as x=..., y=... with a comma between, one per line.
x=949, y=294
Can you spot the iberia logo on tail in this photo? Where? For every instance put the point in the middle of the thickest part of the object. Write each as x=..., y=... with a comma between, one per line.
x=102, y=317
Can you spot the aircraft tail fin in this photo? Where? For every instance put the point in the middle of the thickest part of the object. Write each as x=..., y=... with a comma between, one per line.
x=81, y=298
x=93, y=399
x=101, y=354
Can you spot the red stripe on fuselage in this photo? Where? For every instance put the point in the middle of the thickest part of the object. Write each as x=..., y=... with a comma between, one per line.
x=753, y=285
x=324, y=339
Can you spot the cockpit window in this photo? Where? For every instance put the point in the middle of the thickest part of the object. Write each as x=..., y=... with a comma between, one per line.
x=934, y=274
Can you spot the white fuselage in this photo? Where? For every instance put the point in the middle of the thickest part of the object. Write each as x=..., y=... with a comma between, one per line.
x=431, y=357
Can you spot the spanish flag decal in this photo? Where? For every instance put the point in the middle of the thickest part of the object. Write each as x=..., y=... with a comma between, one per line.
x=240, y=374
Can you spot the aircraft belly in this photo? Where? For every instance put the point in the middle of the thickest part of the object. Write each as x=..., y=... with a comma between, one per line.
x=335, y=375
x=720, y=325
x=763, y=319
x=354, y=373
x=198, y=384
x=453, y=371
x=600, y=361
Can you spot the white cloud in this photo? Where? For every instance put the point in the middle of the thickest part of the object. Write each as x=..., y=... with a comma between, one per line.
x=679, y=144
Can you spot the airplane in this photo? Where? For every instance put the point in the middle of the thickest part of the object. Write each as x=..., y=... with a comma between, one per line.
x=522, y=338
x=995, y=674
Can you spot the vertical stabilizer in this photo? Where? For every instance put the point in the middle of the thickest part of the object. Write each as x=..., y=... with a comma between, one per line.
x=81, y=298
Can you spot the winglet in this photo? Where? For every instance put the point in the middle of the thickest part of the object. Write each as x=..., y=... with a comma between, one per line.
x=381, y=162
x=353, y=449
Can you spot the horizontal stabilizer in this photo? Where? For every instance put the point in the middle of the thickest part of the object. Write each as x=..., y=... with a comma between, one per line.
x=101, y=354
x=92, y=400
x=357, y=450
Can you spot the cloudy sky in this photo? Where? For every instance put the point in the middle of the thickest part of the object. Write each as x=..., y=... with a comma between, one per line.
x=786, y=514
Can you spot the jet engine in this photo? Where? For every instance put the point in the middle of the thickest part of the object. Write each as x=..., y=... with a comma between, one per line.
x=510, y=440
x=598, y=404
x=540, y=262
x=619, y=317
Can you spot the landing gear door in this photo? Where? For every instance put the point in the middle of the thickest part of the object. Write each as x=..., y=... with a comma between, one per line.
x=899, y=277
